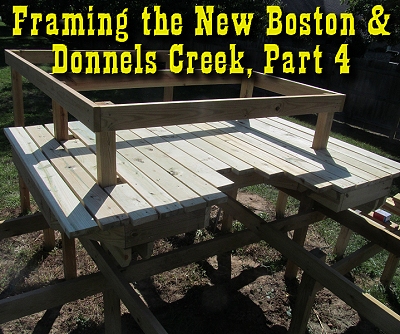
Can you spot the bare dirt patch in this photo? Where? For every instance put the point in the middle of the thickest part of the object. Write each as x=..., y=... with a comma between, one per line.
x=189, y=299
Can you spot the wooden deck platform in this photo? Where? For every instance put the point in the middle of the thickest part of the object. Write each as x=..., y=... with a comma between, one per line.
x=165, y=171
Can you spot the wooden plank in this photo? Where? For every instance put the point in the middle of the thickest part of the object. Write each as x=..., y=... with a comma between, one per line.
x=322, y=130
x=281, y=204
x=266, y=169
x=191, y=150
x=140, y=115
x=112, y=312
x=78, y=105
x=390, y=269
x=163, y=78
x=305, y=299
x=166, y=179
x=69, y=257
x=285, y=86
x=36, y=56
x=295, y=165
x=165, y=204
x=137, y=208
x=106, y=158
x=365, y=227
x=105, y=211
x=39, y=199
x=299, y=154
x=299, y=237
x=60, y=119
x=342, y=241
x=72, y=216
x=22, y=225
x=246, y=87
x=49, y=239
x=388, y=165
x=163, y=228
x=192, y=164
x=200, y=179
x=392, y=206
x=352, y=162
x=367, y=306
x=19, y=120
x=145, y=319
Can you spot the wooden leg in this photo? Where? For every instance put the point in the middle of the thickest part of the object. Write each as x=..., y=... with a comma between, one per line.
x=24, y=197
x=69, y=257
x=342, y=241
x=225, y=260
x=299, y=236
x=305, y=299
x=389, y=270
x=281, y=204
x=112, y=312
x=49, y=239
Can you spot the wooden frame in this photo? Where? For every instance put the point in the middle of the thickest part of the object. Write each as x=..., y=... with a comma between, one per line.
x=104, y=119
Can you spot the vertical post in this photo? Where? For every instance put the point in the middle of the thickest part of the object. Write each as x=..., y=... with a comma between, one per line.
x=322, y=130
x=49, y=239
x=69, y=256
x=389, y=270
x=305, y=299
x=112, y=312
x=342, y=241
x=106, y=147
x=246, y=87
x=224, y=259
x=168, y=91
x=281, y=204
x=18, y=106
x=60, y=119
x=299, y=236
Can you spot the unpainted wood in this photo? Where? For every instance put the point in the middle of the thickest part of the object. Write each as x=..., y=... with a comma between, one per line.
x=112, y=312
x=77, y=104
x=60, y=119
x=22, y=225
x=322, y=130
x=106, y=158
x=281, y=204
x=140, y=115
x=342, y=241
x=299, y=237
x=305, y=299
x=390, y=269
x=120, y=285
x=69, y=256
x=49, y=239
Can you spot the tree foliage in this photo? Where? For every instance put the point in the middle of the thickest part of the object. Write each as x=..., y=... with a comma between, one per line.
x=362, y=9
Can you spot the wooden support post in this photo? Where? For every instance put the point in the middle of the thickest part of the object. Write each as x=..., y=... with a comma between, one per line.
x=299, y=236
x=106, y=150
x=305, y=299
x=281, y=204
x=389, y=270
x=49, y=239
x=112, y=312
x=168, y=93
x=342, y=241
x=132, y=301
x=18, y=106
x=246, y=87
x=225, y=259
x=60, y=119
x=322, y=130
x=69, y=256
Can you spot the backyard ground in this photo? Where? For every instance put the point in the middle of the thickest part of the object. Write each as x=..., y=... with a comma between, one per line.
x=185, y=300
